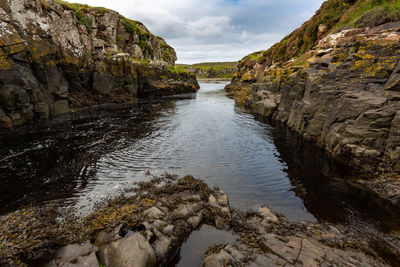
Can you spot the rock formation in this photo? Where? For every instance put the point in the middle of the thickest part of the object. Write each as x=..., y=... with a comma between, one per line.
x=57, y=57
x=342, y=94
x=148, y=228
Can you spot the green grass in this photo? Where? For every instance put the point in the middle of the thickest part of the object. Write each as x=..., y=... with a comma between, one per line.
x=390, y=9
x=335, y=14
x=219, y=67
x=177, y=70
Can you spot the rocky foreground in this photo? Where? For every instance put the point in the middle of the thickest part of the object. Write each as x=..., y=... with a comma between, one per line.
x=57, y=57
x=147, y=225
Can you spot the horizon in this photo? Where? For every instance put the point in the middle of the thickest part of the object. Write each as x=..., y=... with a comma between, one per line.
x=219, y=31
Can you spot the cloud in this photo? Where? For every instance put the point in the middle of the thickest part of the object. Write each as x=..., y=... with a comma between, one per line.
x=208, y=27
x=215, y=30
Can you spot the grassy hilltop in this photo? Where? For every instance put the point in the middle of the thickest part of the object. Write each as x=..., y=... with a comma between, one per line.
x=211, y=69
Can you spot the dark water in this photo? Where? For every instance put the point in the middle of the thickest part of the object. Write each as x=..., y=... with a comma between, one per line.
x=192, y=251
x=88, y=155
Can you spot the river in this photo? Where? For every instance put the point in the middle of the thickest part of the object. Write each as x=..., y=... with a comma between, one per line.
x=82, y=157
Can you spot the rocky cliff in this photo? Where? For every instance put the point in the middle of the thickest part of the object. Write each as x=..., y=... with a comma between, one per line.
x=57, y=57
x=343, y=93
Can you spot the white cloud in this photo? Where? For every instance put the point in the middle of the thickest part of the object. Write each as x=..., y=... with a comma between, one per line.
x=215, y=30
x=208, y=27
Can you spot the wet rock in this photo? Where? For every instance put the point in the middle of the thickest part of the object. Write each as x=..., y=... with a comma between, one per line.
x=130, y=251
x=223, y=258
x=168, y=230
x=71, y=252
x=107, y=237
x=184, y=210
x=267, y=214
x=75, y=255
x=162, y=247
x=195, y=220
x=87, y=261
x=220, y=223
x=153, y=213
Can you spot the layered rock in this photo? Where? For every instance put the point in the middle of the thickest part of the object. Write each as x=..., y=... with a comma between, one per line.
x=57, y=57
x=343, y=95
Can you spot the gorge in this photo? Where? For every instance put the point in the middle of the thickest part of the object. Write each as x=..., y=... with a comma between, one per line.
x=99, y=131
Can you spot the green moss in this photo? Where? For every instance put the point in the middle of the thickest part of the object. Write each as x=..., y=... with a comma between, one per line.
x=177, y=70
x=82, y=13
x=85, y=20
x=132, y=26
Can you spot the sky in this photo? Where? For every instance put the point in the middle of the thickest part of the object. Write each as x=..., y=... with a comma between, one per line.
x=215, y=30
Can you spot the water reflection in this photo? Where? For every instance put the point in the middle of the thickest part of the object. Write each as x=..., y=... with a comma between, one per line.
x=93, y=153
x=323, y=187
x=57, y=159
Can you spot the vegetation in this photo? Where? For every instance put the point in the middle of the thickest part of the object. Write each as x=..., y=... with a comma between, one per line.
x=84, y=15
x=177, y=70
x=30, y=233
x=334, y=15
x=85, y=20
x=221, y=69
x=376, y=11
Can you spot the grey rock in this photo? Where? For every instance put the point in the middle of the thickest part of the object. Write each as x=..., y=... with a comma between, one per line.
x=131, y=251
x=82, y=261
x=168, y=230
x=74, y=251
x=107, y=237
x=153, y=213
x=267, y=214
x=195, y=221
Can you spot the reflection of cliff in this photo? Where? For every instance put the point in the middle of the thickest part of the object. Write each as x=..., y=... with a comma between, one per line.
x=322, y=186
x=55, y=161
x=336, y=82
x=57, y=57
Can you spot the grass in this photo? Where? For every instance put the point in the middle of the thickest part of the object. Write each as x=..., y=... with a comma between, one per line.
x=222, y=69
x=177, y=70
x=82, y=13
x=389, y=9
x=335, y=14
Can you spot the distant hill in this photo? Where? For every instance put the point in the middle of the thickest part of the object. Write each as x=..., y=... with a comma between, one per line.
x=211, y=69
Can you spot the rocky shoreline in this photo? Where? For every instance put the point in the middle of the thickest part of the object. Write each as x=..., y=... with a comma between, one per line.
x=342, y=95
x=147, y=225
x=57, y=57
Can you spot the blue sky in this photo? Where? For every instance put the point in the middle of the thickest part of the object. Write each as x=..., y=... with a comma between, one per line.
x=215, y=30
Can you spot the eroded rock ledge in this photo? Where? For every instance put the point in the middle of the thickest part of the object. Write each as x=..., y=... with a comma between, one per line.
x=148, y=227
x=57, y=57
x=343, y=95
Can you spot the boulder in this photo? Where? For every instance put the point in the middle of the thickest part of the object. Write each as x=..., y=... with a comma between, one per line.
x=131, y=251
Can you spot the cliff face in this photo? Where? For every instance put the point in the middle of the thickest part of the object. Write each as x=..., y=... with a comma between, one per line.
x=56, y=57
x=343, y=94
